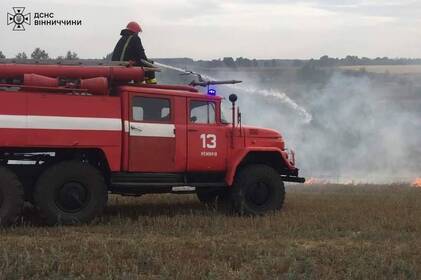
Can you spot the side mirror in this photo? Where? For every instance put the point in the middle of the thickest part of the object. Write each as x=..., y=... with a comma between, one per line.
x=233, y=98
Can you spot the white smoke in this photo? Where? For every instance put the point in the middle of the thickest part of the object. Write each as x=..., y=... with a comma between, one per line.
x=280, y=97
x=354, y=128
x=361, y=131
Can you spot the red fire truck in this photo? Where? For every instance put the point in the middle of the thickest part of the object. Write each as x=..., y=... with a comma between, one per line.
x=70, y=135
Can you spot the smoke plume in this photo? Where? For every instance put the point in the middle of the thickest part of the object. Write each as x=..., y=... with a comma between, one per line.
x=351, y=127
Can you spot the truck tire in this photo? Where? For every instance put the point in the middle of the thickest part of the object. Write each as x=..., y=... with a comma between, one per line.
x=257, y=189
x=11, y=197
x=70, y=192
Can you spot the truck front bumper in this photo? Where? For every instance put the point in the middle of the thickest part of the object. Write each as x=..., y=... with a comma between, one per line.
x=292, y=176
x=293, y=179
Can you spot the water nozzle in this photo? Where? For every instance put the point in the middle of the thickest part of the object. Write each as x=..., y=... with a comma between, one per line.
x=204, y=83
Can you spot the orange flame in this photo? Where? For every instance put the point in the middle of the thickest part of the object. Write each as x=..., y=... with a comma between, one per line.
x=315, y=181
x=310, y=181
x=417, y=183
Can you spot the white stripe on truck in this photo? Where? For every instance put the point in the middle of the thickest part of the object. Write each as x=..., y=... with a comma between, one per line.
x=59, y=123
x=81, y=123
x=12, y=121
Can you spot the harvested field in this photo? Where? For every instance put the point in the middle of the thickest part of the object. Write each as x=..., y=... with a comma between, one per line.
x=323, y=232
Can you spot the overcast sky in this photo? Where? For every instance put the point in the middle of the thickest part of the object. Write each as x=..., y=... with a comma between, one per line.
x=214, y=28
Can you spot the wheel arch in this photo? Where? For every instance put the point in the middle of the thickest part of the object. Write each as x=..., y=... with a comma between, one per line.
x=275, y=158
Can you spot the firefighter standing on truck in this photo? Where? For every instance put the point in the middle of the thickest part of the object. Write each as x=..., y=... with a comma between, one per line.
x=130, y=48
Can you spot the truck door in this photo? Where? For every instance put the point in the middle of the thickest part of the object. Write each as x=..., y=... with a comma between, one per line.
x=207, y=138
x=152, y=141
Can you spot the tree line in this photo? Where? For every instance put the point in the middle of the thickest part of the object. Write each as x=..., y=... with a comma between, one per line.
x=230, y=62
x=324, y=61
x=40, y=54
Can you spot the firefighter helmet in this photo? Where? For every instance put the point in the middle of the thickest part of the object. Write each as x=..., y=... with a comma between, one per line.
x=134, y=26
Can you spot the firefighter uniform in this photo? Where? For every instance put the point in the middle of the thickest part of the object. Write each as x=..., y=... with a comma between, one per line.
x=130, y=48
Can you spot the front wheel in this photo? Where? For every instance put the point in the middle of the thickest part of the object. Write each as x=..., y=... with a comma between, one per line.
x=70, y=192
x=257, y=189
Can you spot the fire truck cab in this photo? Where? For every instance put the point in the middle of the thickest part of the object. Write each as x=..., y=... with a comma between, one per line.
x=70, y=135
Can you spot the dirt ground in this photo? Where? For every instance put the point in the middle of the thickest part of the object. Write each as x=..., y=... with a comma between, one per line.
x=323, y=232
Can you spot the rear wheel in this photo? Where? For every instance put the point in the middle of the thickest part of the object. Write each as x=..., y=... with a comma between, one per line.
x=257, y=189
x=11, y=197
x=70, y=192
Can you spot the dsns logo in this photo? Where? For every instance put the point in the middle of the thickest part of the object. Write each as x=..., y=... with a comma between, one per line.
x=18, y=19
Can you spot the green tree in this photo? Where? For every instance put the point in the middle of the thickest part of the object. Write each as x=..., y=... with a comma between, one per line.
x=39, y=54
x=243, y=62
x=71, y=56
x=351, y=60
x=325, y=61
x=255, y=63
x=21, y=55
x=229, y=62
x=2, y=55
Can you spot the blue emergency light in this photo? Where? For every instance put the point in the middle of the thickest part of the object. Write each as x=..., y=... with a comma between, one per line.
x=212, y=92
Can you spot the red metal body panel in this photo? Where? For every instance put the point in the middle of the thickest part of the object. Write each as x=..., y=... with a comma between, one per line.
x=12, y=103
x=208, y=143
x=152, y=153
x=46, y=104
x=162, y=154
x=13, y=138
x=62, y=121
x=239, y=154
x=208, y=155
x=125, y=113
x=181, y=146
